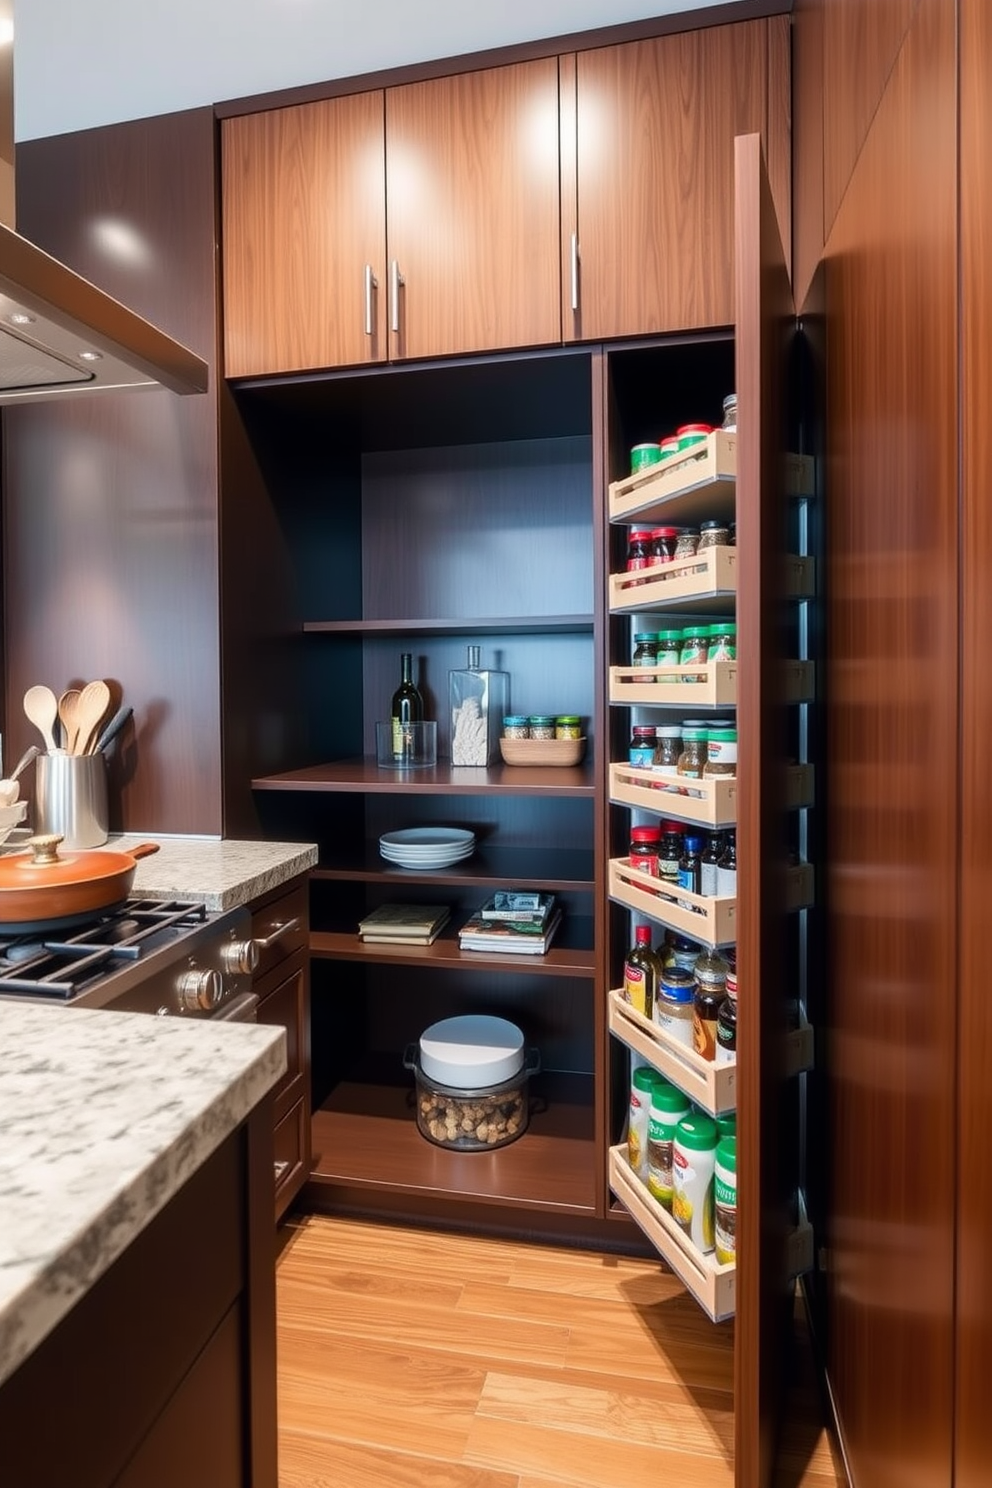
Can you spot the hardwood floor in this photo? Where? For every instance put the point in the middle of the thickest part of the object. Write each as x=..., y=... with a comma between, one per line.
x=426, y=1360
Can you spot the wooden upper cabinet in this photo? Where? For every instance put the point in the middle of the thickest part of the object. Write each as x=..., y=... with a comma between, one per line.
x=654, y=170
x=473, y=193
x=304, y=235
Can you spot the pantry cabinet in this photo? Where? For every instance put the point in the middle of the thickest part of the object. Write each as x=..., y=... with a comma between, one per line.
x=318, y=273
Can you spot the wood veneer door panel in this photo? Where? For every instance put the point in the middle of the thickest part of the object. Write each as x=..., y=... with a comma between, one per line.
x=656, y=127
x=892, y=731
x=765, y=324
x=304, y=223
x=973, y=1343
x=472, y=186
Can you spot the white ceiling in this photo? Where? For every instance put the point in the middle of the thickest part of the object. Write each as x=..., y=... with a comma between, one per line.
x=80, y=63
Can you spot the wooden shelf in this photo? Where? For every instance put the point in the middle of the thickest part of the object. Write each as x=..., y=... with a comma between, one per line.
x=560, y=960
x=713, y=1286
x=706, y=582
x=503, y=625
x=489, y=867
x=709, y=919
x=364, y=777
x=711, y=1086
x=711, y=801
x=718, y=689
x=697, y=483
x=365, y=1137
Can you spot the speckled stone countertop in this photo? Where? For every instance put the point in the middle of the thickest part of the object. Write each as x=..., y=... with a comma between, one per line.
x=221, y=872
x=103, y=1117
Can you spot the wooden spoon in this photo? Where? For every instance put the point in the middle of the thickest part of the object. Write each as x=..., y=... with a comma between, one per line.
x=42, y=709
x=69, y=716
x=91, y=710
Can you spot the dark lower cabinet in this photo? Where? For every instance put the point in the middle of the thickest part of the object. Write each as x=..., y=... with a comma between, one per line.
x=164, y=1374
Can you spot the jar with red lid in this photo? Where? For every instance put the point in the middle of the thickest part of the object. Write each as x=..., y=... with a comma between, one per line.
x=639, y=549
x=643, y=742
x=691, y=434
x=644, y=843
x=663, y=543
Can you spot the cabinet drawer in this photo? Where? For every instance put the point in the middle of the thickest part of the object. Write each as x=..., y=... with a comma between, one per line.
x=280, y=926
x=285, y=1007
x=292, y=1156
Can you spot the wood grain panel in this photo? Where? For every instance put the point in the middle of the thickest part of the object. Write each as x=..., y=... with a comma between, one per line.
x=303, y=215
x=861, y=39
x=807, y=144
x=892, y=618
x=973, y=1344
x=765, y=323
x=472, y=186
x=656, y=125
x=777, y=133
x=111, y=503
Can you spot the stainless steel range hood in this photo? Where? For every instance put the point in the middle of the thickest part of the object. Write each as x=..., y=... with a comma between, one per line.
x=60, y=336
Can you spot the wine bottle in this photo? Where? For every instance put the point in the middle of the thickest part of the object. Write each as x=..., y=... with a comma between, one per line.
x=641, y=973
x=407, y=709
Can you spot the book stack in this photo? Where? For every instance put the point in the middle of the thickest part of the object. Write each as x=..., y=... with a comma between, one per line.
x=514, y=921
x=404, y=924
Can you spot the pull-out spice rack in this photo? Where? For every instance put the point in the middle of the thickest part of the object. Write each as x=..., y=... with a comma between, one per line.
x=711, y=801
x=707, y=918
x=708, y=580
x=711, y=1086
x=717, y=687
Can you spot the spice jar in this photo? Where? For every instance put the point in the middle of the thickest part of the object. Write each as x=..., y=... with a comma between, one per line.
x=663, y=543
x=670, y=852
x=687, y=542
x=724, y=1199
x=669, y=647
x=642, y=455
x=643, y=853
x=642, y=745
x=668, y=1106
x=668, y=747
x=682, y=952
x=568, y=726
x=722, y=642
x=691, y=434
x=711, y=990
x=692, y=760
x=713, y=534
x=721, y=752
x=516, y=726
x=730, y=413
x=726, y=1023
x=642, y=1083
x=542, y=726
x=693, y=1164
x=695, y=648
x=638, y=548
x=645, y=651
x=673, y=1005
x=669, y=446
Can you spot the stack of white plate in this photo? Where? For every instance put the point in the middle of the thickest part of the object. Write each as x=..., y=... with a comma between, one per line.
x=427, y=847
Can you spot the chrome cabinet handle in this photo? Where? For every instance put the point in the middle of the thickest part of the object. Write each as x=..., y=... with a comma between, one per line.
x=371, y=283
x=396, y=280
x=277, y=934
x=575, y=271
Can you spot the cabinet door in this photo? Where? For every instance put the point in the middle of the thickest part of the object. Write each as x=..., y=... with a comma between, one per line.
x=304, y=232
x=656, y=122
x=472, y=184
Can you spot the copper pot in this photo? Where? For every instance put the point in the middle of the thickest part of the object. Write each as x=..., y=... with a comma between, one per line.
x=48, y=890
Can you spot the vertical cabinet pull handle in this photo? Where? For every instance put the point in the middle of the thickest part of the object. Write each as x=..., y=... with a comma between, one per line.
x=575, y=271
x=371, y=283
x=397, y=279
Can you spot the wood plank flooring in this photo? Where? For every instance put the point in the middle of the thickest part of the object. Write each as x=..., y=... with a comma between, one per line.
x=418, y=1359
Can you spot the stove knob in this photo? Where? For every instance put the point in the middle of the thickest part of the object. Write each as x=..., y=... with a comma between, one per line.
x=200, y=989
x=240, y=956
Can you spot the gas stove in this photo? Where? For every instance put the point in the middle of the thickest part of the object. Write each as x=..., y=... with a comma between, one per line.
x=170, y=957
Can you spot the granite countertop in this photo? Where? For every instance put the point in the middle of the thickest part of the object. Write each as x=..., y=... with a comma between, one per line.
x=223, y=873
x=103, y=1117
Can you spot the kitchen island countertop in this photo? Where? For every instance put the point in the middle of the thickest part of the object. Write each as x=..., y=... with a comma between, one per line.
x=104, y=1117
x=221, y=872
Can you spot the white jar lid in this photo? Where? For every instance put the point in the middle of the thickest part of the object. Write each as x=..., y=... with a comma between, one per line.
x=471, y=1052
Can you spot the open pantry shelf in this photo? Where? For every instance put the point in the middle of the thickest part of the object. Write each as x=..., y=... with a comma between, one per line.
x=677, y=687
x=713, y=921
x=711, y=1086
x=708, y=580
x=713, y=1286
x=364, y=777
x=560, y=960
x=517, y=625
x=365, y=1139
x=701, y=481
x=488, y=867
x=711, y=801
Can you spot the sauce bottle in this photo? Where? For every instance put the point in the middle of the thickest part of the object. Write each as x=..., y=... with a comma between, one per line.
x=641, y=973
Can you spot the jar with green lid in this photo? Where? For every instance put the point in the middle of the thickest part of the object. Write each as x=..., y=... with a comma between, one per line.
x=726, y=1125
x=725, y=1200
x=669, y=647
x=713, y=534
x=542, y=725
x=568, y=726
x=673, y=1005
x=692, y=760
x=693, y=1165
x=721, y=752
x=516, y=726
x=642, y=1083
x=722, y=642
x=695, y=648
x=645, y=652
x=669, y=446
x=668, y=1106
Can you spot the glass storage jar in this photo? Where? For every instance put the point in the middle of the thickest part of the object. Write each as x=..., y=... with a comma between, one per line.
x=713, y=534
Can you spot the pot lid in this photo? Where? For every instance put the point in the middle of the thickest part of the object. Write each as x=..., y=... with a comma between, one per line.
x=42, y=864
x=472, y=1051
